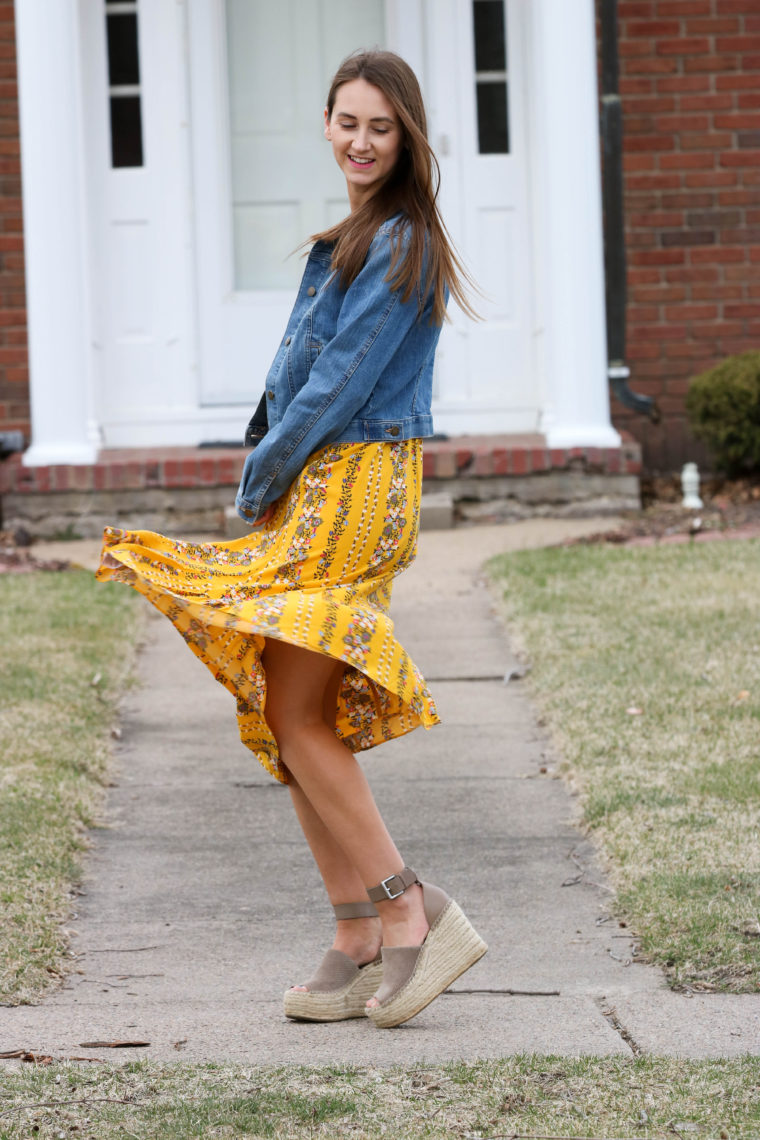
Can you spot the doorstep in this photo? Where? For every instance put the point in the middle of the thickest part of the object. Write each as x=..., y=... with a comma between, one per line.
x=186, y=489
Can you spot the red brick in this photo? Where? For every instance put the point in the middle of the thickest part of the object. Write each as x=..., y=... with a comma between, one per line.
x=748, y=139
x=679, y=83
x=716, y=255
x=684, y=7
x=643, y=276
x=540, y=459
x=710, y=63
x=682, y=122
x=736, y=82
x=743, y=43
x=637, y=350
x=630, y=87
x=717, y=292
x=635, y=162
x=633, y=9
x=649, y=143
x=655, y=219
x=684, y=45
x=691, y=312
x=706, y=140
x=652, y=181
x=713, y=217
x=686, y=199
x=712, y=26
x=739, y=120
x=730, y=311
x=652, y=28
x=658, y=257
x=745, y=158
x=500, y=461
x=714, y=178
x=639, y=314
x=651, y=66
x=653, y=104
x=658, y=332
x=520, y=461
x=659, y=294
x=748, y=100
x=683, y=349
x=707, y=102
x=686, y=161
x=718, y=328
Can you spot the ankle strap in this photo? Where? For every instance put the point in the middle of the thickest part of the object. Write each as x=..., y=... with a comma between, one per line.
x=355, y=910
x=393, y=886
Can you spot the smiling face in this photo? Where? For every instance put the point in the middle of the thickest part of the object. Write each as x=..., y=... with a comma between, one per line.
x=366, y=138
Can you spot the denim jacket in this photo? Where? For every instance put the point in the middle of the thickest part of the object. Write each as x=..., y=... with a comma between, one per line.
x=355, y=365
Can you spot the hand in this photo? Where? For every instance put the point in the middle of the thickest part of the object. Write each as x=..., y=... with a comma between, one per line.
x=262, y=519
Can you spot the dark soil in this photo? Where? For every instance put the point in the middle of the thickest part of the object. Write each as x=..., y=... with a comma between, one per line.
x=730, y=506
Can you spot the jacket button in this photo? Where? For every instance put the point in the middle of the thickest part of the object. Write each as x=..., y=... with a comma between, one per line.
x=270, y=394
x=287, y=340
x=311, y=291
x=394, y=430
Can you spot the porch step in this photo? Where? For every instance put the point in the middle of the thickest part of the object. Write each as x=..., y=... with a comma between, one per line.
x=181, y=490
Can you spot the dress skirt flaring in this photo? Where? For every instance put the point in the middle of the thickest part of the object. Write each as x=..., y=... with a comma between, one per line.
x=317, y=575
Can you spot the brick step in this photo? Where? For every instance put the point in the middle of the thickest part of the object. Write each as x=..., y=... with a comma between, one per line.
x=181, y=489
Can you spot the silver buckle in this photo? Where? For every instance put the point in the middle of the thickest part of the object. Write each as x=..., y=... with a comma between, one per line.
x=388, y=892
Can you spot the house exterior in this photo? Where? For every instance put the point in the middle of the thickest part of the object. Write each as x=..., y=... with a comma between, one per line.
x=171, y=157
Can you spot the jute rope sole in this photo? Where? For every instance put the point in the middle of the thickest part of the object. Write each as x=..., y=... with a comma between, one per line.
x=335, y=1005
x=451, y=947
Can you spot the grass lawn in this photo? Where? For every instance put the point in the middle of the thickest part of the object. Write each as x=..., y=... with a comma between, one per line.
x=67, y=648
x=522, y=1096
x=646, y=666
x=671, y=791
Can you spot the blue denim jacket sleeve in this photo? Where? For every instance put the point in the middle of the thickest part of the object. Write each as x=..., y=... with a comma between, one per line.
x=372, y=323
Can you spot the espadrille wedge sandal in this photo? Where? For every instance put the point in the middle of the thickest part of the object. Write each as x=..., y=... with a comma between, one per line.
x=340, y=989
x=414, y=975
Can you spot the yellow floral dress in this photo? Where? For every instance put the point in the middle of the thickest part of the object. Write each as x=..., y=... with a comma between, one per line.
x=318, y=575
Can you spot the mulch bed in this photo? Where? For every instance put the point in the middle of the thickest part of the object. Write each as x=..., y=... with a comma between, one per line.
x=731, y=510
x=16, y=557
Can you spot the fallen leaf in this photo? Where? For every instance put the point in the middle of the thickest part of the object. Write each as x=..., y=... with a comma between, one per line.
x=741, y=696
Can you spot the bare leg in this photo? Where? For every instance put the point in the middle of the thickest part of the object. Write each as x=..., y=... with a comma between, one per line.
x=343, y=826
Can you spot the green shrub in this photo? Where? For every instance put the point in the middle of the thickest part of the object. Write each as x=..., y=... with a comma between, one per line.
x=723, y=406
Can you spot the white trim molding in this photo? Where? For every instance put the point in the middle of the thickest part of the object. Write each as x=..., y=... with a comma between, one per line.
x=570, y=336
x=55, y=235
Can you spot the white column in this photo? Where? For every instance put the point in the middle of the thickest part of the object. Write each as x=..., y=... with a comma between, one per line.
x=52, y=165
x=567, y=223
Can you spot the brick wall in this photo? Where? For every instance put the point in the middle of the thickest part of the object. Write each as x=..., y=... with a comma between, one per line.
x=14, y=373
x=690, y=85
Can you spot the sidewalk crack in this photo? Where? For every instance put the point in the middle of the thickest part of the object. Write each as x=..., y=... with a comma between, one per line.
x=609, y=1013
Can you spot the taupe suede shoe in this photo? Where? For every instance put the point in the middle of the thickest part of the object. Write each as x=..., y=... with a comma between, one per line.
x=413, y=976
x=340, y=989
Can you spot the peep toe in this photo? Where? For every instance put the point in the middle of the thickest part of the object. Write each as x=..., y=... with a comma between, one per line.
x=414, y=975
x=340, y=989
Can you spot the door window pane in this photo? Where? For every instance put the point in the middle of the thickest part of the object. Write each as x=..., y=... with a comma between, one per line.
x=285, y=182
x=491, y=79
x=125, y=110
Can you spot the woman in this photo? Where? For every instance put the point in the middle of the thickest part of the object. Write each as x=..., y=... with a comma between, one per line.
x=293, y=618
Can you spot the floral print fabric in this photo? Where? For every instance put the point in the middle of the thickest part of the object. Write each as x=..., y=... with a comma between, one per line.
x=318, y=575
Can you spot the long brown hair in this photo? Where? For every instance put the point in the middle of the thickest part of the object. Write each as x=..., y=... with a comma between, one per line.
x=411, y=189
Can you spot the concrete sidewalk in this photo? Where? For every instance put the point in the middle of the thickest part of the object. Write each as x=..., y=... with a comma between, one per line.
x=201, y=903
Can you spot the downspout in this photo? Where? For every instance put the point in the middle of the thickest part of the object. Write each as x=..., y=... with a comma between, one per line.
x=614, y=222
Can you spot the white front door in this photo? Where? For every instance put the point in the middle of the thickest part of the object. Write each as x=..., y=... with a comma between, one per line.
x=264, y=179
